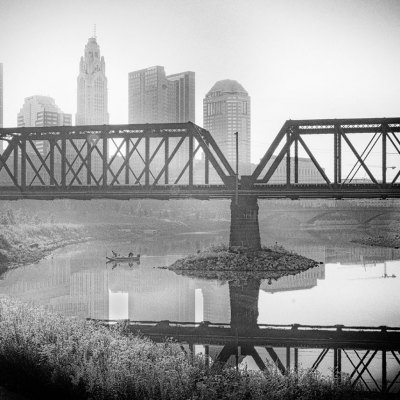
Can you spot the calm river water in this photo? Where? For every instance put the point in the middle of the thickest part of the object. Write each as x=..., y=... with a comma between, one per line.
x=355, y=285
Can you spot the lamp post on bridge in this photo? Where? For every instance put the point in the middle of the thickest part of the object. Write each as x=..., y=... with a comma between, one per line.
x=237, y=169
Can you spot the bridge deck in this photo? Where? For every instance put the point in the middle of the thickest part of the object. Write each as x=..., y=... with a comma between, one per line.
x=366, y=338
x=266, y=191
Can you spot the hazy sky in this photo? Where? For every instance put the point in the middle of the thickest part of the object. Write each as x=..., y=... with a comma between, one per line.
x=297, y=59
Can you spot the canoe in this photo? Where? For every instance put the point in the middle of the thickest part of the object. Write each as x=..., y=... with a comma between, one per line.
x=124, y=259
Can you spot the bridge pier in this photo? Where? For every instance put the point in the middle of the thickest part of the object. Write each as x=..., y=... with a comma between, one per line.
x=245, y=230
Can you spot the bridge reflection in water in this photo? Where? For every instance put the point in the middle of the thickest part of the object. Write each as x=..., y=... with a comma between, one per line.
x=369, y=356
x=76, y=282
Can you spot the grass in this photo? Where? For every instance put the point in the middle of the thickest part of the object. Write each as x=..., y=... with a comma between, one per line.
x=56, y=357
x=26, y=242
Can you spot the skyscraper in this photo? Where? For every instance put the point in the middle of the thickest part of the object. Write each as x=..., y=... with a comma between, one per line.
x=181, y=97
x=156, y=98
x=42, y=111
x=226, y=110
x=1, y=104
x=92, y=98
x=1, y=96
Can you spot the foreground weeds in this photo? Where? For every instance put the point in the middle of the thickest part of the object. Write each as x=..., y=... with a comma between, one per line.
x=55, y=357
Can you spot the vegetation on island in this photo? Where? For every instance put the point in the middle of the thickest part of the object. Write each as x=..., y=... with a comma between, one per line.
x=227, y=264
x=26, y=238
x=50, y=356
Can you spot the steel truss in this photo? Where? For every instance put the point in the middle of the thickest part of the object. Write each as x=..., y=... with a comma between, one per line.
x=292, y=136
x=368, y=356
x=109, y=156
x=161, y=161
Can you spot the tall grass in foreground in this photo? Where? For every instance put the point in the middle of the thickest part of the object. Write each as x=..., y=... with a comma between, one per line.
x=70, y=358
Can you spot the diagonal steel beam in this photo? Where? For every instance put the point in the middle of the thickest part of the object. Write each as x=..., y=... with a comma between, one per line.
x=358, y=365
x=365, y=367
x=360, y=160
x=186, y=165
x=127, y=159
x=277, y=361
x=70, y=165
x=3, y=161
x=362, y=156
x=171, y=156
x=278, y=159
x=41, y=160
x=207, y=141
x=211, y=142
x=272, y=148
x=319, y=359
x=313, y=159
x=252, y=352
x=152, y=158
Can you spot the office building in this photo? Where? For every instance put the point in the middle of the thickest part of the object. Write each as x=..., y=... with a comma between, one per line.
x=42, y=111
x=181, y=97
x=226, y=110
x=1, y=96
x=92, y=97
x=155, y=97
x=1, y=105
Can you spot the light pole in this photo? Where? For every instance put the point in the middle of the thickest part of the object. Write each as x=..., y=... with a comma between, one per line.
x=237, y=169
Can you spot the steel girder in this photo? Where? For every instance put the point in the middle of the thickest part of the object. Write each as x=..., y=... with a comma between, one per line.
x=105, y=156
x=368, y=356
x=159, y=161
x=293, y=134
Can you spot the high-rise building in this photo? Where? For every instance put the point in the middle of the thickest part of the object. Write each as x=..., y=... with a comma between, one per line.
x=42, y=111
x=92, y=97
x=1, y=104
x=181, y=97
x=157, y=98
x=226, y=110
x=1, y=96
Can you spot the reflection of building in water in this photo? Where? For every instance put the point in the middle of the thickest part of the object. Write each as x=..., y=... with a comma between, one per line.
x=31, y=283
x=216, y=303
x=80, y=285
x=303, y=280
x=316, y=253
x=360, y=255
x=155, y=296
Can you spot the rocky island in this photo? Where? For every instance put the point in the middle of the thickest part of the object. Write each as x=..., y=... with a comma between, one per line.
x=224, y=263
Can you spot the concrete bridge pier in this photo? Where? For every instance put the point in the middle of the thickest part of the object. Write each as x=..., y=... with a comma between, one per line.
x=245, y=230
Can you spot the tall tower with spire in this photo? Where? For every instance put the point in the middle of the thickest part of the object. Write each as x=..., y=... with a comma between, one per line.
x=92, y=99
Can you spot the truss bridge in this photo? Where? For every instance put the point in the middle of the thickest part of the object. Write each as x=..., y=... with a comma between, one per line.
x=183, y=160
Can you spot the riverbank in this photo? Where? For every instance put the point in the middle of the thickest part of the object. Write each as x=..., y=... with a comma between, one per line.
x=49, y=356
x=26, y=243
x=380, y=238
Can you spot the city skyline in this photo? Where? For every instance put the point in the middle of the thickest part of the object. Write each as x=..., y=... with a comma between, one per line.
x=314, y=65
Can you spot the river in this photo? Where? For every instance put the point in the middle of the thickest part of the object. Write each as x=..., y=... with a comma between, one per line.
x=349, y=288
x=353, y=286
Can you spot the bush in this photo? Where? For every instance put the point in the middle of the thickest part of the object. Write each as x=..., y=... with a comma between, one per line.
x=57, y=357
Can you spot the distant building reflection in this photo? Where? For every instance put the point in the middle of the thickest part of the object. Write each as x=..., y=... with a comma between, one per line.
x=303, y=280
x=78, y=283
